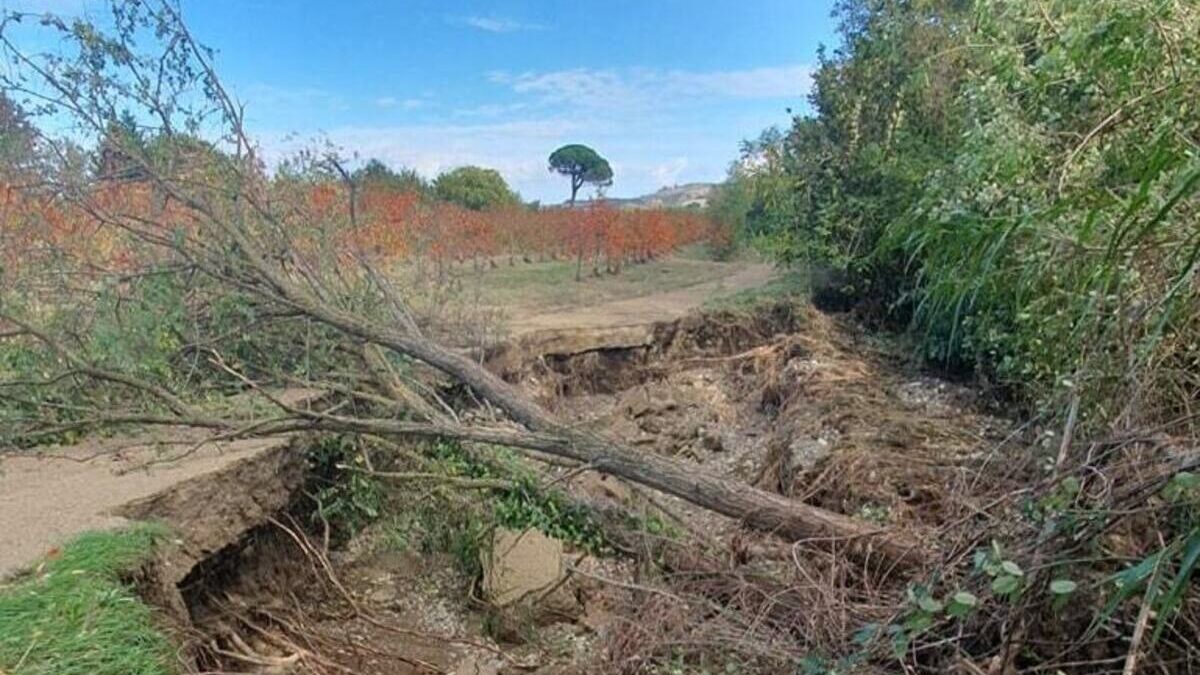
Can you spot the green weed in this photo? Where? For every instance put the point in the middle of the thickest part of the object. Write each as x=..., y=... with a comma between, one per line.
x=346, y=498
x=528, y=503
x=73, y=614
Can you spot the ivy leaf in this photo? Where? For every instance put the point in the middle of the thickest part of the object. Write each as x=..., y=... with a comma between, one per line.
x=1006, y=584
x=961, y=604
x=900, y=640
x=1012, y=569
x=866, y=634
x=928, y=604
x=1063, y=587
x=918, y=623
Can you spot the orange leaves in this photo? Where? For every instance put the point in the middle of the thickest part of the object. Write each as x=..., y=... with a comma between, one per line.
x=399, y=225
x=323, y=198
x=386, y=218
x=388, y=225
x=35, y=229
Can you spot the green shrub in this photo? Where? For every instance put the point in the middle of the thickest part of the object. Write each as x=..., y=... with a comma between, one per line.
x=167, y=328
x=1018, y=178
x=345, y=497
x=528, y=503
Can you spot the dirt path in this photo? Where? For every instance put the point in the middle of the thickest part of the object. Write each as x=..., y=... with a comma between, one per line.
x=617, y=324
x=49, y=497
x=647, y=309
x=46, y=500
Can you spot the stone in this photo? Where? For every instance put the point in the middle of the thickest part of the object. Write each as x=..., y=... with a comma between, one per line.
x=477, y=665
x=807, y=453
x=640, y=408
x=650, y=425
x=525, y=578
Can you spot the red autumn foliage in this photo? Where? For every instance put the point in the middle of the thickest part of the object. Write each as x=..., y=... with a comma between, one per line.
x=388, y=225
x=400, y=226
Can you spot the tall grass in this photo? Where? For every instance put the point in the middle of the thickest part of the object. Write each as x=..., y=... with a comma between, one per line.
x=1058, y=247
x=1021, y=177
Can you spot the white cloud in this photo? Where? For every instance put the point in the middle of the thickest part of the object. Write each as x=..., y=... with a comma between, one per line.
x=261, y=95
x=403, y=104
x=668, y=173
x=498, y=24
x=492, y=110
x=656, y=126
x=647, y=87
x=517, y=149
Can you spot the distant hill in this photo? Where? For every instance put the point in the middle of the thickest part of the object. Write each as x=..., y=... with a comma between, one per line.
x=689, y=195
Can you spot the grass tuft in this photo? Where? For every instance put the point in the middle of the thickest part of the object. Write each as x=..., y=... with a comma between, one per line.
x=73, y=615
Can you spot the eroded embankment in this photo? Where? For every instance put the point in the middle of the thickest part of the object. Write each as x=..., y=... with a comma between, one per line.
x=784, y=398
x=608, y=359
x=802, y=403
x=253, y=581
x=787, y=398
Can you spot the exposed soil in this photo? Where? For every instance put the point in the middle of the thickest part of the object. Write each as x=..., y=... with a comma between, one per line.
x=49, y=496
x=787, y=399
x=817, y=410
x=272, y=598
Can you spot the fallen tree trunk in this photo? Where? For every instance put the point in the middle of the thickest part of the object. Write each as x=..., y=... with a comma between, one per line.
x=757, y=508
x=222, y=222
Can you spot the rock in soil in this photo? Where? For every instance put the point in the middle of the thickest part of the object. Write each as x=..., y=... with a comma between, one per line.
x=525, y=579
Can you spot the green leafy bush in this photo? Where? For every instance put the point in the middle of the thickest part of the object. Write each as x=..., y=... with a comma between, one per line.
x=1019, y=178
x=167, y=328
x=528, y=503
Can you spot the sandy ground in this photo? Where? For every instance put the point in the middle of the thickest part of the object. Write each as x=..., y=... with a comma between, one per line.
x=48, y=497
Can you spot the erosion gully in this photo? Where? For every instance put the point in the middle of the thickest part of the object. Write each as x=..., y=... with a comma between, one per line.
x=784, y=397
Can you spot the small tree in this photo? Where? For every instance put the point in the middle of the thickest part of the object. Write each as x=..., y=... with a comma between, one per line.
x=377, y=174
x=583, y=165
x=475, y=188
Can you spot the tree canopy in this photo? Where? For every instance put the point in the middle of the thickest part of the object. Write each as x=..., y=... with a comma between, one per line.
x=376, y=173
x=474, y=187
x=583, y=165
x=17, y=136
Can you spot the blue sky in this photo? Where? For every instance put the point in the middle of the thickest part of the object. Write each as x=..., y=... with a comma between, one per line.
x=665, y=89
